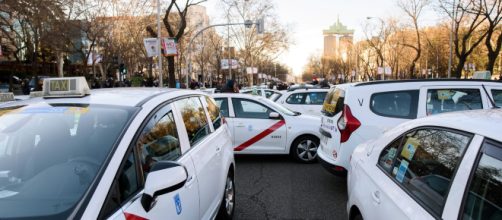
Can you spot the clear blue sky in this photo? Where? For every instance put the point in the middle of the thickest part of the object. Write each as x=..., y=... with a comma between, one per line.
x=309, y=17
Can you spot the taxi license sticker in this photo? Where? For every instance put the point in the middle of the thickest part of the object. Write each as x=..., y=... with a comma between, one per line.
x=444, y=94
x=402, y=170
x=177, y=203
x=410, y=148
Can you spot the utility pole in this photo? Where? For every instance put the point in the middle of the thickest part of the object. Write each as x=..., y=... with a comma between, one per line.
x=159, y=45
x=454, y=12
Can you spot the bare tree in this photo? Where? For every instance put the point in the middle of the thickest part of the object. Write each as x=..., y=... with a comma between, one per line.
x=468, y=32
x=414, y=9
x=175, y=26
x=492, y=11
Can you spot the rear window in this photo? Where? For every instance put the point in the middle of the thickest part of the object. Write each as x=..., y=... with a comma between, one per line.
x=395, y=104
x=450, y=100
x=333, y=103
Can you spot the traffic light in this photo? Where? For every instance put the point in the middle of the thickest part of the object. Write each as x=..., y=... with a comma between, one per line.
x=260, y=26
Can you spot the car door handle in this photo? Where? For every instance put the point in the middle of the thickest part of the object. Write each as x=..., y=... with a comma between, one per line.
x=240, y=125
x=376, y=197
x=189, y=181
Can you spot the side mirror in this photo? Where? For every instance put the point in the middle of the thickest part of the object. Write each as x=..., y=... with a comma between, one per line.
x=274, y=115
x=164, y=177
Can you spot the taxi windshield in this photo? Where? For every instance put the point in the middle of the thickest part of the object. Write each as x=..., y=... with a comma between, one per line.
x=50, y=155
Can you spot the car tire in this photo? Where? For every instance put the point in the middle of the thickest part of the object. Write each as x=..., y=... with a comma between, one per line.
x=358, y=217
x=227, y=205
x=304, y=149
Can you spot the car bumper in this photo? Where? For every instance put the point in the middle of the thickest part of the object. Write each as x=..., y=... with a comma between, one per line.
x=333, y=169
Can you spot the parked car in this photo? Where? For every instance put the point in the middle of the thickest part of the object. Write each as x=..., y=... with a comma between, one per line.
x=447, y=166
x=271, y=94
x=356, y=112
x=305, y=101
x=122, y=153
x=261, y=126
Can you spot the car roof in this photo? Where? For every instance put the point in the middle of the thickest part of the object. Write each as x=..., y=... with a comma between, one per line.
x=430, y=82
x=113, y=96
x=237, y=95
x=483, y=122
x=309, y=90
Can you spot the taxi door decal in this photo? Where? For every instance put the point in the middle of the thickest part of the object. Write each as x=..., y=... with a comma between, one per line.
x=130, y=216
x=260, y=136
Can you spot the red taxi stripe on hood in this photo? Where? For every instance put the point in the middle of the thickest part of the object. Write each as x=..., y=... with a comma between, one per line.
x=260, y=136
x=130, y=216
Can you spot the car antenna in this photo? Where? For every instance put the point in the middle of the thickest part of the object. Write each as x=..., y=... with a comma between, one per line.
x=489, y=97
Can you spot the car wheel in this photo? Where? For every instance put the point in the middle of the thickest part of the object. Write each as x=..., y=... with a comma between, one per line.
x=228, y=202
x=304, y=149
x=358, y=217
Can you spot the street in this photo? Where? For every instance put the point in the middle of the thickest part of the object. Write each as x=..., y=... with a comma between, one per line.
x=277, y=187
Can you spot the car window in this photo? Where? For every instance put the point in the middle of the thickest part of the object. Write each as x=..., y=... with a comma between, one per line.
x=123, y=188
x=315, y=98
x=214, y=112
x=333, y=103
x=195, y=119
x=222, y=103
x=449, y=100
x=159, y=140
x=424, y=164
x=274, y=97
x=397, y=104
x=244, y=108
x=268, y=93
x=497, y=97
x=297, y=98
x=484, y=197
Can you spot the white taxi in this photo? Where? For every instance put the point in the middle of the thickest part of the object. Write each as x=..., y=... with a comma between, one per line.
x=261, y=126
x=447, y=166
x=132, y=153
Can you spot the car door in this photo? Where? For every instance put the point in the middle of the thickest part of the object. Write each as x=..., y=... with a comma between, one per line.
x=482, y=196
x=159, y=140
x=441, y=99
x=254, y=131
x=413, y=174
x=205, y=150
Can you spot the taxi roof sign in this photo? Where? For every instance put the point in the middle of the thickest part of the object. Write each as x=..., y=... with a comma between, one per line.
x=65, y=87
x=7, y=97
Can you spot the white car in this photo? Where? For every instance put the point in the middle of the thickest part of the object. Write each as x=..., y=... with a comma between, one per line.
x=305, y=101
x=125, y=153
x=356, y=112
x=447, y=166
x=260, y=126
x=271, y=94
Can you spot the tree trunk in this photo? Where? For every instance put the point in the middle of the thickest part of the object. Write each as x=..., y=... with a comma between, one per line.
x=460, y=66
x=171, y=71
x=492, y=52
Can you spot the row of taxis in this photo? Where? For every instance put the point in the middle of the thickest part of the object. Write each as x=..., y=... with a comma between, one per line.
x=135, y=153
x=405, y=160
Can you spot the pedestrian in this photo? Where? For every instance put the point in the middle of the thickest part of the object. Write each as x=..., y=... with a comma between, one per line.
x=231, y=87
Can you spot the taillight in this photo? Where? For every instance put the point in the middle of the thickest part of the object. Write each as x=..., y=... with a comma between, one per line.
x=347, y=124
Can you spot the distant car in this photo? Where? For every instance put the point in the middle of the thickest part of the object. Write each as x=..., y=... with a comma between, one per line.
x=305, y=101
x=356, y=112
x=261, y=126
x=4, y=87
x=447, y=166
x=271, y=94
x=123, y=153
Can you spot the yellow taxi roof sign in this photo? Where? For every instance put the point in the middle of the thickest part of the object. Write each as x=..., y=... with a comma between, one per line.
x=7, y=97
x=65, y=87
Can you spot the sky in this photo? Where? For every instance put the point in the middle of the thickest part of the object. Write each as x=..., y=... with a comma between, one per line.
x=308, y=18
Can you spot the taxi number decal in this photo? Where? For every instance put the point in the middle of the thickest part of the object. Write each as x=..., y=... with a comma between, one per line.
x=59, y=85
x=177, y=203
x=260, y=136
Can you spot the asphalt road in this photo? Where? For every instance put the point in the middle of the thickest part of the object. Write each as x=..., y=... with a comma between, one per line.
x=276, y=187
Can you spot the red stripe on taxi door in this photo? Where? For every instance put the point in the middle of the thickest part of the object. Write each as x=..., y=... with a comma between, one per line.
x=130, y=216
x=260, y=136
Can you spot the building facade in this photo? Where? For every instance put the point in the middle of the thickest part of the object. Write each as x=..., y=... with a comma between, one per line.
x=337, y=41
